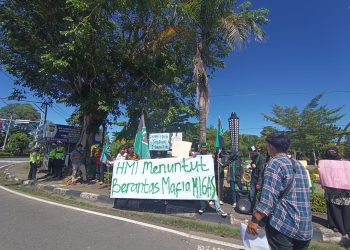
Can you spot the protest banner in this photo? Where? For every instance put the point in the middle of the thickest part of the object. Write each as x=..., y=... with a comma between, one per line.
x=166, y=178
x=335, y=174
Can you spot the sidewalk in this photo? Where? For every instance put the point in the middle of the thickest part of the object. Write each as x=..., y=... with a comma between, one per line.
x=100, y=193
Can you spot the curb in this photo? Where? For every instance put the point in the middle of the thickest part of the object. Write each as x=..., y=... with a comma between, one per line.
x=320, y=233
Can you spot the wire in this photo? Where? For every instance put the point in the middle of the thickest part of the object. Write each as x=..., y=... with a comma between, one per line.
x=282, y=93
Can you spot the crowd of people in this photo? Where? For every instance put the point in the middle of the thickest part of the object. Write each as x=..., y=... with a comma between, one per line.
x=279, y=187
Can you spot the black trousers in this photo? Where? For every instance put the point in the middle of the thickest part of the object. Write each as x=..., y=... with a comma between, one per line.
x=339, y=217
x=32, y=171
x=50, y=166
x=58, y=163
x=278, y=241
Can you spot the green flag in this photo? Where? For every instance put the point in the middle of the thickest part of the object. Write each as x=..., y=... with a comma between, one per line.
x=141, y=143
x=106, y=154
x=219, y=140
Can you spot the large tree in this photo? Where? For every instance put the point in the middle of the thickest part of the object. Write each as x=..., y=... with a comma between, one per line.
x=311, y=128
x=100, y=56
x=213, y=29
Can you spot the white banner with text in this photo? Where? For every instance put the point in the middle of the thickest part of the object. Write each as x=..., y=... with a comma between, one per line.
x=165, y=178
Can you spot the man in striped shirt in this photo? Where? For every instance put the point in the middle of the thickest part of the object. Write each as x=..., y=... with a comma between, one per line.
x=285, y=199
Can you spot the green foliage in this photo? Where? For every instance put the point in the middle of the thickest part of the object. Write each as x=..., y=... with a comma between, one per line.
x=19, y=111
x=18, y=143
x=318, y=203
x=310, y=128
x=5, y=154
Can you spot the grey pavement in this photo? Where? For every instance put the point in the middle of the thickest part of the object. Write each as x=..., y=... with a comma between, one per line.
x=22, y=227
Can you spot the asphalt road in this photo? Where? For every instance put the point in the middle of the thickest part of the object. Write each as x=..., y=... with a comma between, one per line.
x=29, y=224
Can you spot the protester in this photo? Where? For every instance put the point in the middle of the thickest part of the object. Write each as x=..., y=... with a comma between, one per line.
x=130, y=154
x=203, y=204
x=234, y=175
x=338, y=201
x=59, y=161
x=121, y=154
x=34, y=158
x=219, y=175
x=99, y=165
x=285, y=199
x=77, y=157
x=257, y=165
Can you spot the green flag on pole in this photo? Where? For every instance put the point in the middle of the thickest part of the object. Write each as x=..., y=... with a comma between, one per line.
x=141, y=143
x=219, y=140
x=106, y=154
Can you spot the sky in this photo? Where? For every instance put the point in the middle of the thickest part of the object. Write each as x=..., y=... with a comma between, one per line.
x=306, y=52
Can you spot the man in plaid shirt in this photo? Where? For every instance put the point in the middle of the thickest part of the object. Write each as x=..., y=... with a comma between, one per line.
x=285, y=199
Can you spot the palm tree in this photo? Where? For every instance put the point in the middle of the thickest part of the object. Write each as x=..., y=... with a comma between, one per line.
x=215, y=28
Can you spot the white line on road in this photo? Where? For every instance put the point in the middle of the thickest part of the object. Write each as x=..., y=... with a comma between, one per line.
x=164, y=229
x=6, y=166
x=4, y=161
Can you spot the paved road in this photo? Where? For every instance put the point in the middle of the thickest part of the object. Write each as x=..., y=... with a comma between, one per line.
x=29, y=224
x=7, y=161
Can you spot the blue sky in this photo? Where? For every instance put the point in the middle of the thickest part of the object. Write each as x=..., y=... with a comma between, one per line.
x=306, y=52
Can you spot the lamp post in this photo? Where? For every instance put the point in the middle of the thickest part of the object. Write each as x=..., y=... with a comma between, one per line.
x=233, y=122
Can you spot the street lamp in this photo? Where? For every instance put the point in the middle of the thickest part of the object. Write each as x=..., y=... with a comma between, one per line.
x=233, y=122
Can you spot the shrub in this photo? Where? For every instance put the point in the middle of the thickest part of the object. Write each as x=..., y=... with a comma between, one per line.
x=5, y=154
x=318, y=203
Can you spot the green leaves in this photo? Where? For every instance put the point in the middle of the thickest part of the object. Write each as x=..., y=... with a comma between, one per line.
x=311, y=128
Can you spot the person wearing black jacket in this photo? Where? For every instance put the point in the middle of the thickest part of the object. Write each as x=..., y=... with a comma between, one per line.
x=257, y=165
x=234, y=175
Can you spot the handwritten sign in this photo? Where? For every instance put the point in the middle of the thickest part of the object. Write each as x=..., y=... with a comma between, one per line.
x=335, y=174
x=159, y=141
x=165, y=178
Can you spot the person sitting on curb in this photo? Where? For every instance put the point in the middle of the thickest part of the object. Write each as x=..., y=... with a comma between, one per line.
x=203, y=204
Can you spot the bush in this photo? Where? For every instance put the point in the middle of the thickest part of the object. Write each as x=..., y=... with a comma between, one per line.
x=318, y=203
x=6, y=154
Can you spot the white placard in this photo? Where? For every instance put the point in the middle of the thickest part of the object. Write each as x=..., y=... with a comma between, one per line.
x=166, y=178
x=254, y=242
x=181, y=148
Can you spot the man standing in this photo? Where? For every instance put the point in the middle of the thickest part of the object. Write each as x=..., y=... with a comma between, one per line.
x=77, y=158
x=52, y=155
x=34, y=158
x=59, y=160
x=203, y=150
x=234, y=175
x=257, y=165
x=285, y=199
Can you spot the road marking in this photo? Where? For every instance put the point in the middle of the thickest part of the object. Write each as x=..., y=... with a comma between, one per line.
x=6, y=166
x=4, y=161
x=164, y=229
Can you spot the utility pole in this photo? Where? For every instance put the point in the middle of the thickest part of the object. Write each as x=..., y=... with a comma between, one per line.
x=7, y=133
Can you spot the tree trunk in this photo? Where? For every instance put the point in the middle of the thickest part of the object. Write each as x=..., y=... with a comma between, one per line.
x=201, y=80
x=89, y=129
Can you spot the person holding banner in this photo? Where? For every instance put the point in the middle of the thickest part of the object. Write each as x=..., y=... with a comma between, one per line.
x=130, y=154
x=203, y=150
x=338, y=201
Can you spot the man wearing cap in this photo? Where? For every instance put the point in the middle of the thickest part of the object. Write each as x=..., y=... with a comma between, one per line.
x=257, y=165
